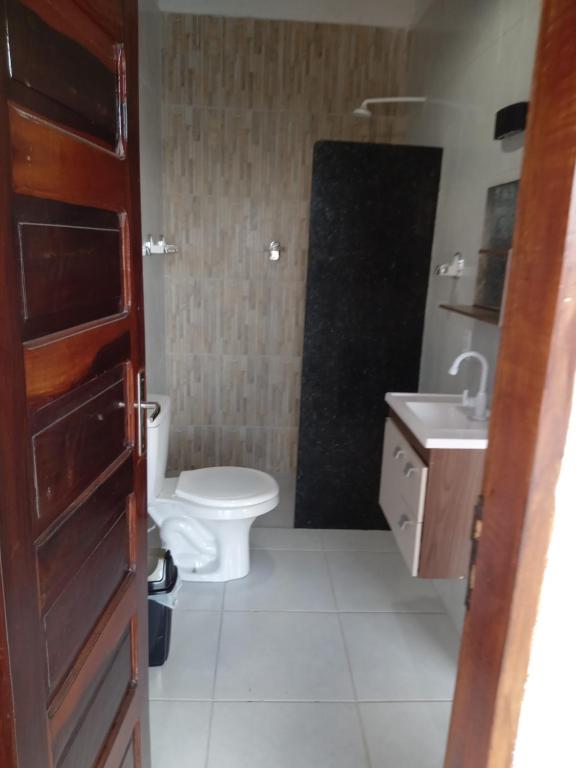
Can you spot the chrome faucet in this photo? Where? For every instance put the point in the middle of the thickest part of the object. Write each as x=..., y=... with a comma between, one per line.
x=479, y=402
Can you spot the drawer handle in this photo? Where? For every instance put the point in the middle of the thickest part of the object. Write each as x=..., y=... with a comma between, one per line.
x=404, y=522
x=398, y=452
x=409, y=470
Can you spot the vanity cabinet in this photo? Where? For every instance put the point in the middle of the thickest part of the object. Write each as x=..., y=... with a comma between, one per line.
x=428, y=496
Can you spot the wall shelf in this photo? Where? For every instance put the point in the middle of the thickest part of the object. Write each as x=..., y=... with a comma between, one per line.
x=483, y=314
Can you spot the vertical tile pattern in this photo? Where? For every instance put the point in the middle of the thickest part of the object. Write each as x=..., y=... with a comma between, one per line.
x=244, y=101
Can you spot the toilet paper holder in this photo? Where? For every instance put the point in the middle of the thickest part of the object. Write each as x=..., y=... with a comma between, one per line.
x=150, y=248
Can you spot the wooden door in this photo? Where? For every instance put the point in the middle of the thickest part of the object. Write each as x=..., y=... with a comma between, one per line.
x=73, y=619
x=528, y=448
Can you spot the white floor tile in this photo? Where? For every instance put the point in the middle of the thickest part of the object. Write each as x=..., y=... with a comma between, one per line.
x=361, y=541
x=375, y=581
x=407, y=734
x=200, y=596
x=179, y=733
x=268, y=735
x=401, y=657
x=282, y=581
x=285, y=538
x=282, y=656
x=189, y=671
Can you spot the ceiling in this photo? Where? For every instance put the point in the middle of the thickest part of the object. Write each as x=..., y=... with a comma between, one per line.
x=379, y=13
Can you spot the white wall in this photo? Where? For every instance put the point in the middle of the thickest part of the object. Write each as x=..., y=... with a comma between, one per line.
x=471, y=58
x=378, y=13
x=151, y=188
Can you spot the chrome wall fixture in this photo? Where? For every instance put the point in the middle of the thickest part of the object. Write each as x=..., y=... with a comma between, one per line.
x=150, y=248
x=274, y=249
x=452, y=268
x=364, y=110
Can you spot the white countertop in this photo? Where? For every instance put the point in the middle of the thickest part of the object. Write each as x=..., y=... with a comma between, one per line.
x=439, y=421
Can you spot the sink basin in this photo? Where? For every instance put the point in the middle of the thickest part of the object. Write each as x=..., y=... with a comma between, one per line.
x=439, y=421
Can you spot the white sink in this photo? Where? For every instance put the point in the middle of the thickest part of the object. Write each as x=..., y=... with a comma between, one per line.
x=439, y=421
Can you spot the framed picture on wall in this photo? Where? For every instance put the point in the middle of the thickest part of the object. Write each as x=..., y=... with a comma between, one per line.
x=497, y=235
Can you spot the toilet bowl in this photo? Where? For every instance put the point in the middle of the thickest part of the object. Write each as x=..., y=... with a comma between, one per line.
x=204, y=515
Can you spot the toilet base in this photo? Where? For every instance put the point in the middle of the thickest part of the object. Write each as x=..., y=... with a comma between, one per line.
x=226, y=559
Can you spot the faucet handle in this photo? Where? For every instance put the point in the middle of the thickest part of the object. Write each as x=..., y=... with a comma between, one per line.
x=466, y=400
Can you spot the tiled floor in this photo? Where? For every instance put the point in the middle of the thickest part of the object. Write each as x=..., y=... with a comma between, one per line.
x=328, y=655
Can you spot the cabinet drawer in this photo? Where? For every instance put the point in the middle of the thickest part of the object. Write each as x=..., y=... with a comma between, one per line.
x=404, y=475
x=408, y=535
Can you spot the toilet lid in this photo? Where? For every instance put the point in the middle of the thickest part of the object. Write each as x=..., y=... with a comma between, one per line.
x=226, y=487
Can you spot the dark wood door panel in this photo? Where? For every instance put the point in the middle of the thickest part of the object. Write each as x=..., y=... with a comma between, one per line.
x=72, y=517
x=74, y=451
x=61, y=555
x=84, y=23
x=91, y=176
x=58, y=78
x=107, y=14
x=57, y=366
x=71, y=264
x=68, y=702
x=93, y=726
x=70, y=620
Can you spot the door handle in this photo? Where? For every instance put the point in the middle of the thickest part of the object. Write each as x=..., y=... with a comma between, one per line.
x=398, y=452
x=150, y=405
x=142, y=407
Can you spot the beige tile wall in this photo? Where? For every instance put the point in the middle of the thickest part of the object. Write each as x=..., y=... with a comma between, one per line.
x=244, y=101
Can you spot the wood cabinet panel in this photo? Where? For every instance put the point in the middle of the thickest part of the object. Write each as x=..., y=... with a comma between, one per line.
x=72, y=617
x=429, y=507
x=454, y=484
x=58, y=78
x=70, y=262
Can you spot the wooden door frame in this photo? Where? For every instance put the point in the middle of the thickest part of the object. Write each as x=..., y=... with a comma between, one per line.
x=531, y=414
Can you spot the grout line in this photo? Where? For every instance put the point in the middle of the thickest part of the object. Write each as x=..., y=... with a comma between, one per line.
x=306, y=701
x=214, y=677
x=349, y=665
x=327, y=611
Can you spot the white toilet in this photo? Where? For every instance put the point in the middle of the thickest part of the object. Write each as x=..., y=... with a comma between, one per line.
x=204, y=515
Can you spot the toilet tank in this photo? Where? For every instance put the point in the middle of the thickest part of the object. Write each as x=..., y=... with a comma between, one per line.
x=158, y=431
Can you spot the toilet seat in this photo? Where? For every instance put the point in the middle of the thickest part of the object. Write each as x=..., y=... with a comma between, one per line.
x=226, y=487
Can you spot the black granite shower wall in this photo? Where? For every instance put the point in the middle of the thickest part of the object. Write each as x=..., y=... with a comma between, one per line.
x=371, y=228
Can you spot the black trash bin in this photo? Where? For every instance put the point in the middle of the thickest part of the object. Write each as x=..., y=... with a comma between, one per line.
x=161, y=581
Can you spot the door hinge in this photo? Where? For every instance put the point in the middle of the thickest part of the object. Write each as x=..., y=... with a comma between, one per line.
x=475, y=536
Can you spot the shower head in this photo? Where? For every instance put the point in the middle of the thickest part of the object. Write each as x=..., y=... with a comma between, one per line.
x=364, y=111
